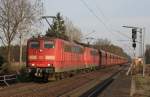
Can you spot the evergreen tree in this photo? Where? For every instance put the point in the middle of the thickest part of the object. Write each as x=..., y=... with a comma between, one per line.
x=57, y=28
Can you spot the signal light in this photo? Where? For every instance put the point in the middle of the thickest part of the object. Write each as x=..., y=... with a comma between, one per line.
x=134, y=45
x=134, y=40
x=134, y=34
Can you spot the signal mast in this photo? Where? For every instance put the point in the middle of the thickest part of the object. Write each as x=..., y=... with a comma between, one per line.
x=135, y=30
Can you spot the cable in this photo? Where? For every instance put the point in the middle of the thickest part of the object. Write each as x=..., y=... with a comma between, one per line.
x=100, y=11
x=101, y=21
x=97, y=17
x=119, y=32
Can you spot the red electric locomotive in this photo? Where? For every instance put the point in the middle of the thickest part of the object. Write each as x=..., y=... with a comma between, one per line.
x=52, y=55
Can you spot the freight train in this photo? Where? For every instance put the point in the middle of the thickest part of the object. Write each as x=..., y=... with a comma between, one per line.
x=53, y=56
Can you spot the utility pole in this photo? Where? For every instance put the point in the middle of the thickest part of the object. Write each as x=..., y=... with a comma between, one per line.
x=143, y=49
x=20, y=57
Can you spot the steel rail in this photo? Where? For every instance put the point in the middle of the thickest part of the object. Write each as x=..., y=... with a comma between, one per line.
x=95, y=91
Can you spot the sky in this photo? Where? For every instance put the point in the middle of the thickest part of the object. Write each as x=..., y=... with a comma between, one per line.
x=112, y=15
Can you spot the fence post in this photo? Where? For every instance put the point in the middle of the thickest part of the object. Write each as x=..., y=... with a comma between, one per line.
x=5, y=81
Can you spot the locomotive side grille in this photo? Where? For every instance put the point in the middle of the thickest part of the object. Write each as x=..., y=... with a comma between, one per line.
x=32, y=57
x=50, y=57
x=41, y=57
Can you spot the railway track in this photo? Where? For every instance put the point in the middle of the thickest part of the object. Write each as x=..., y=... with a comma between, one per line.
x=95, y=91
x=57, y=88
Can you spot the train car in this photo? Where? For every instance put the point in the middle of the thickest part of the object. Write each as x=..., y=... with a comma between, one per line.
x=73, y=56
x=115, y=59
x=112, y=59
x=110, y=63
x=103, y=58
x=108, y=57
x=118, y=60
x=91, y=57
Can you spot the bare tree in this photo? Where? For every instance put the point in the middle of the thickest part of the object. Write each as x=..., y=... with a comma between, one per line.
x=72, y=32
x=101, y=43
x=106, y=45
x=17, y=17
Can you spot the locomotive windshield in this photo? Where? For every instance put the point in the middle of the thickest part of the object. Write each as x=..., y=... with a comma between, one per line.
x=34, y=44
x=48, y=44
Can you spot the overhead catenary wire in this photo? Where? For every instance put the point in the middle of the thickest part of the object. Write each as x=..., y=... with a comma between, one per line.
x=100, y=11
x=97, y=17
x=117, y=31
x=121, y=34
x=109, y=29
x=101, y=21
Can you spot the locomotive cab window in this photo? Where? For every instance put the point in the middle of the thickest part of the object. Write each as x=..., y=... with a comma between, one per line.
x=34, y=44
x=48, y=44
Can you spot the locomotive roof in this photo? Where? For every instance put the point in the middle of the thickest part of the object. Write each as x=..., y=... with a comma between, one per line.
x=39, y=37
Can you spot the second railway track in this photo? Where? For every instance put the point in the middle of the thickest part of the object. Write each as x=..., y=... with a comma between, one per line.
x=93, y=88
x=95, y=91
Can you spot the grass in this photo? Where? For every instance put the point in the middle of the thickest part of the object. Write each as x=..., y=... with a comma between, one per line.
x=21, y=71
x=142, y=86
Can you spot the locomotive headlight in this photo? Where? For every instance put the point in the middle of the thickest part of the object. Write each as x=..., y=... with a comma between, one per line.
x=32, y=57
x=33, y=64
x=48, y=64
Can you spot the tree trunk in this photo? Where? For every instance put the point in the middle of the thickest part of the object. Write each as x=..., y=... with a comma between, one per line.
x=8, y=56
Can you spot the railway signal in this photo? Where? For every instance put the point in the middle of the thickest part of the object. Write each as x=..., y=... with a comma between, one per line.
x=134, y=36
x=135, y=30
x=134, y=45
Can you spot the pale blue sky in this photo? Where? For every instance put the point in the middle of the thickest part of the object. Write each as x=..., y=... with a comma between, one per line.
x=114, y=13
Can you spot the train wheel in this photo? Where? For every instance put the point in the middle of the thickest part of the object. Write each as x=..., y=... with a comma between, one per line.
x=45, y=77
x=57, y=76
x=32, y=75
x=66, y=75
x=71, y=74
x=61, y=76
